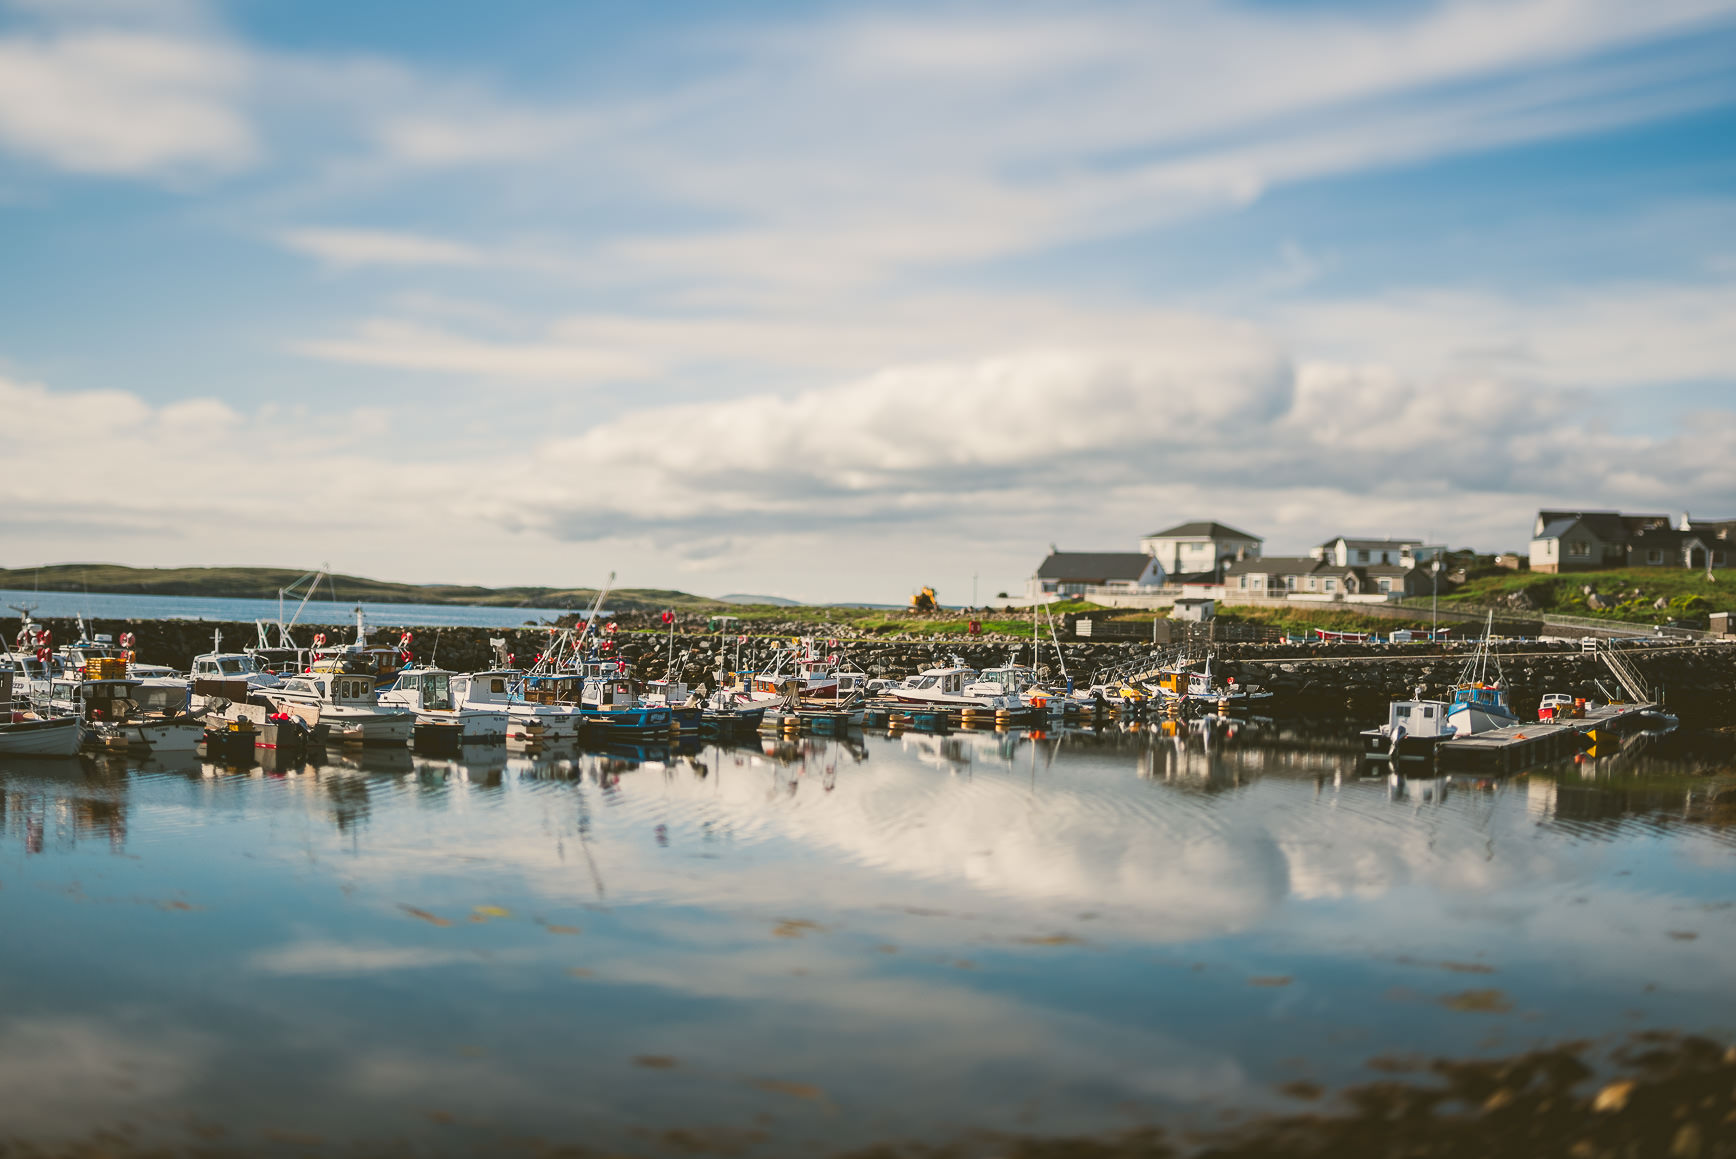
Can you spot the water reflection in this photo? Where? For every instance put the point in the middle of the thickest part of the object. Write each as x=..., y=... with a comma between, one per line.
x=808, y=938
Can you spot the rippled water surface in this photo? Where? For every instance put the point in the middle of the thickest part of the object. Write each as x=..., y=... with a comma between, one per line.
x=789, y=948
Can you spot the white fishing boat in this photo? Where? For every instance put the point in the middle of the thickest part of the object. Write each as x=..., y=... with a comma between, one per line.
x=31, y=734
x=502, y=690
x=126, y=713
x=1412, y=729
x=343, y=705
x=26, y=732
x=952, y=687
x=428, y=693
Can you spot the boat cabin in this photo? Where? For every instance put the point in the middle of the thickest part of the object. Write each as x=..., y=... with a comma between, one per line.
x=1417, y=718
x=493, y=687
x=422, y=689
x=1482, y=696
x=1012, y=677
x=225, y=666
x=611, y=693
x=560, y=688
x=332, y=687
x=93, y=699
x=666, y=692
x=947, y=681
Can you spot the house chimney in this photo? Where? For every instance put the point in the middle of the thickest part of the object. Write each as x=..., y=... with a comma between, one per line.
x=1687, y=523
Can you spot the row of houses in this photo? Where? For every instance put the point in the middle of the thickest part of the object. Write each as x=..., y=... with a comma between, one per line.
x=1211, y=559
x=1207, y=559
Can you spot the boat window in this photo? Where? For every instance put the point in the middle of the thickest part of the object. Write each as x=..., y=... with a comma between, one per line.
x=1402, y=711
x=1429, y=712
x=498, y=684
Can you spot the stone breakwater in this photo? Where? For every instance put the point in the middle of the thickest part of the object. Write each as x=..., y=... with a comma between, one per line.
x=1330, y=680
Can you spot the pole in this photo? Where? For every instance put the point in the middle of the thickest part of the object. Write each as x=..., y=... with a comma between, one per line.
x=1435, y=600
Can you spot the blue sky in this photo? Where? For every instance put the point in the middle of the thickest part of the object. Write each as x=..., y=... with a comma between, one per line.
x=836, y=300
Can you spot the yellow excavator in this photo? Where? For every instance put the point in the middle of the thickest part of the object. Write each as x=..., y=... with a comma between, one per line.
x=924, y=601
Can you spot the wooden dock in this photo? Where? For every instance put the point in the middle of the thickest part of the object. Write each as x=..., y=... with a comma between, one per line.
x=1520, y=746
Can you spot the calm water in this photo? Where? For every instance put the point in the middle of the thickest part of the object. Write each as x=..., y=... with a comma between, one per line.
x=791, y=948
x=119, y=607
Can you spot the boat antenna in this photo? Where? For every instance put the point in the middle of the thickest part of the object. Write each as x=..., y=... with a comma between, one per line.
x=602, y=594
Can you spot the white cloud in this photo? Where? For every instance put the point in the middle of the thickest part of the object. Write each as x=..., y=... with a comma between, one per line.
x=124, y=103
x=359, y=247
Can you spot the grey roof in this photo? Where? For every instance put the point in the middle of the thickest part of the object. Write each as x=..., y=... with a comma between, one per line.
x=1713, y=528
x=1094, y=566
x=1283, y=565
x=1203, y=528
x=1609, y=526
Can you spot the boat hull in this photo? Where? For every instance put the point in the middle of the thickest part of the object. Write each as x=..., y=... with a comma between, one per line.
x=169, y=736
x=630, y=721
x=54, y=737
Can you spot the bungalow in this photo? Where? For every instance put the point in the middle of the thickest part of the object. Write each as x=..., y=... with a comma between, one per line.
x=1200, y=549
x=1073, y=573
x=1310, y=578
x=1594, y=540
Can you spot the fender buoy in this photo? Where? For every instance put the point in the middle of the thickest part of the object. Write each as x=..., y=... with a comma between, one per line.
x=404, y=655
x=610, y=627
x=319, y=640
x=42, y=655
x=404, y=640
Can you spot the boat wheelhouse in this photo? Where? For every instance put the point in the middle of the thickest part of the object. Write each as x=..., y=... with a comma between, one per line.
x=345, y=703
x=1411, y=731
x=428, y=693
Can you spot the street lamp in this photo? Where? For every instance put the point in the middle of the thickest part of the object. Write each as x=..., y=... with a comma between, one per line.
x=1435, y=599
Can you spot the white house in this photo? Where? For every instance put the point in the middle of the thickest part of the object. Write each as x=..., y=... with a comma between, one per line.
x=1347, y=552
x=1200, y=549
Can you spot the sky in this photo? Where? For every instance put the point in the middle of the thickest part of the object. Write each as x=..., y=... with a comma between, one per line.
x=835, y=300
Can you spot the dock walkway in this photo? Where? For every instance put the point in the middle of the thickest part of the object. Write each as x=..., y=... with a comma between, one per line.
x=1519, y=746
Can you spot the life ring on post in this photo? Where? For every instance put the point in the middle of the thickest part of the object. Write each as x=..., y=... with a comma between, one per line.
x=319, y=639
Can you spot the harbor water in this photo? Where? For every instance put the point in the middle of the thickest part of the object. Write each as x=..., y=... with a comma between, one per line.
x=818, y=946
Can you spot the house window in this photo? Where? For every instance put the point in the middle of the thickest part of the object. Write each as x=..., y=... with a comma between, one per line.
x=1242, y=582
x=1717, y=559
x=1579, y=548
x=1362, y=557
x=1289, y=583
x=1331, y=585
x=1655, y=555
x=1386, y=585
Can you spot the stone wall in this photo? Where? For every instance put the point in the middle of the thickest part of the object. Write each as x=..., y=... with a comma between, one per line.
x=1324, y=679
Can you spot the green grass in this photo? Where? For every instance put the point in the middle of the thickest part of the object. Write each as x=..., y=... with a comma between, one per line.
x=1633, y=589
x=1303, y=621
x=264, y=582
x=818, y=620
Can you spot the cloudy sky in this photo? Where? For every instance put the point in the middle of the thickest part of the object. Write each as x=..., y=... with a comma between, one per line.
x=833, y=300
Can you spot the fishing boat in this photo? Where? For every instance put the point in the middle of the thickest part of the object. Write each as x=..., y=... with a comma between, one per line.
x=501, y=690
x=1412, y=729
x=30, y=734
x=955, y=685
x=612, y=702
x=344, y=705
x=1182, y=684
x=127, y=713
x=723, y=716
x=685, y=711
x=428, y=693
x=1479, y=697
x=381, y=663
x=27, y=732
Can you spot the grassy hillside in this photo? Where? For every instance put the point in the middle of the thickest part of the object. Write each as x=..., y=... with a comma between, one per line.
x=1633, y=593
x=264, y=582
